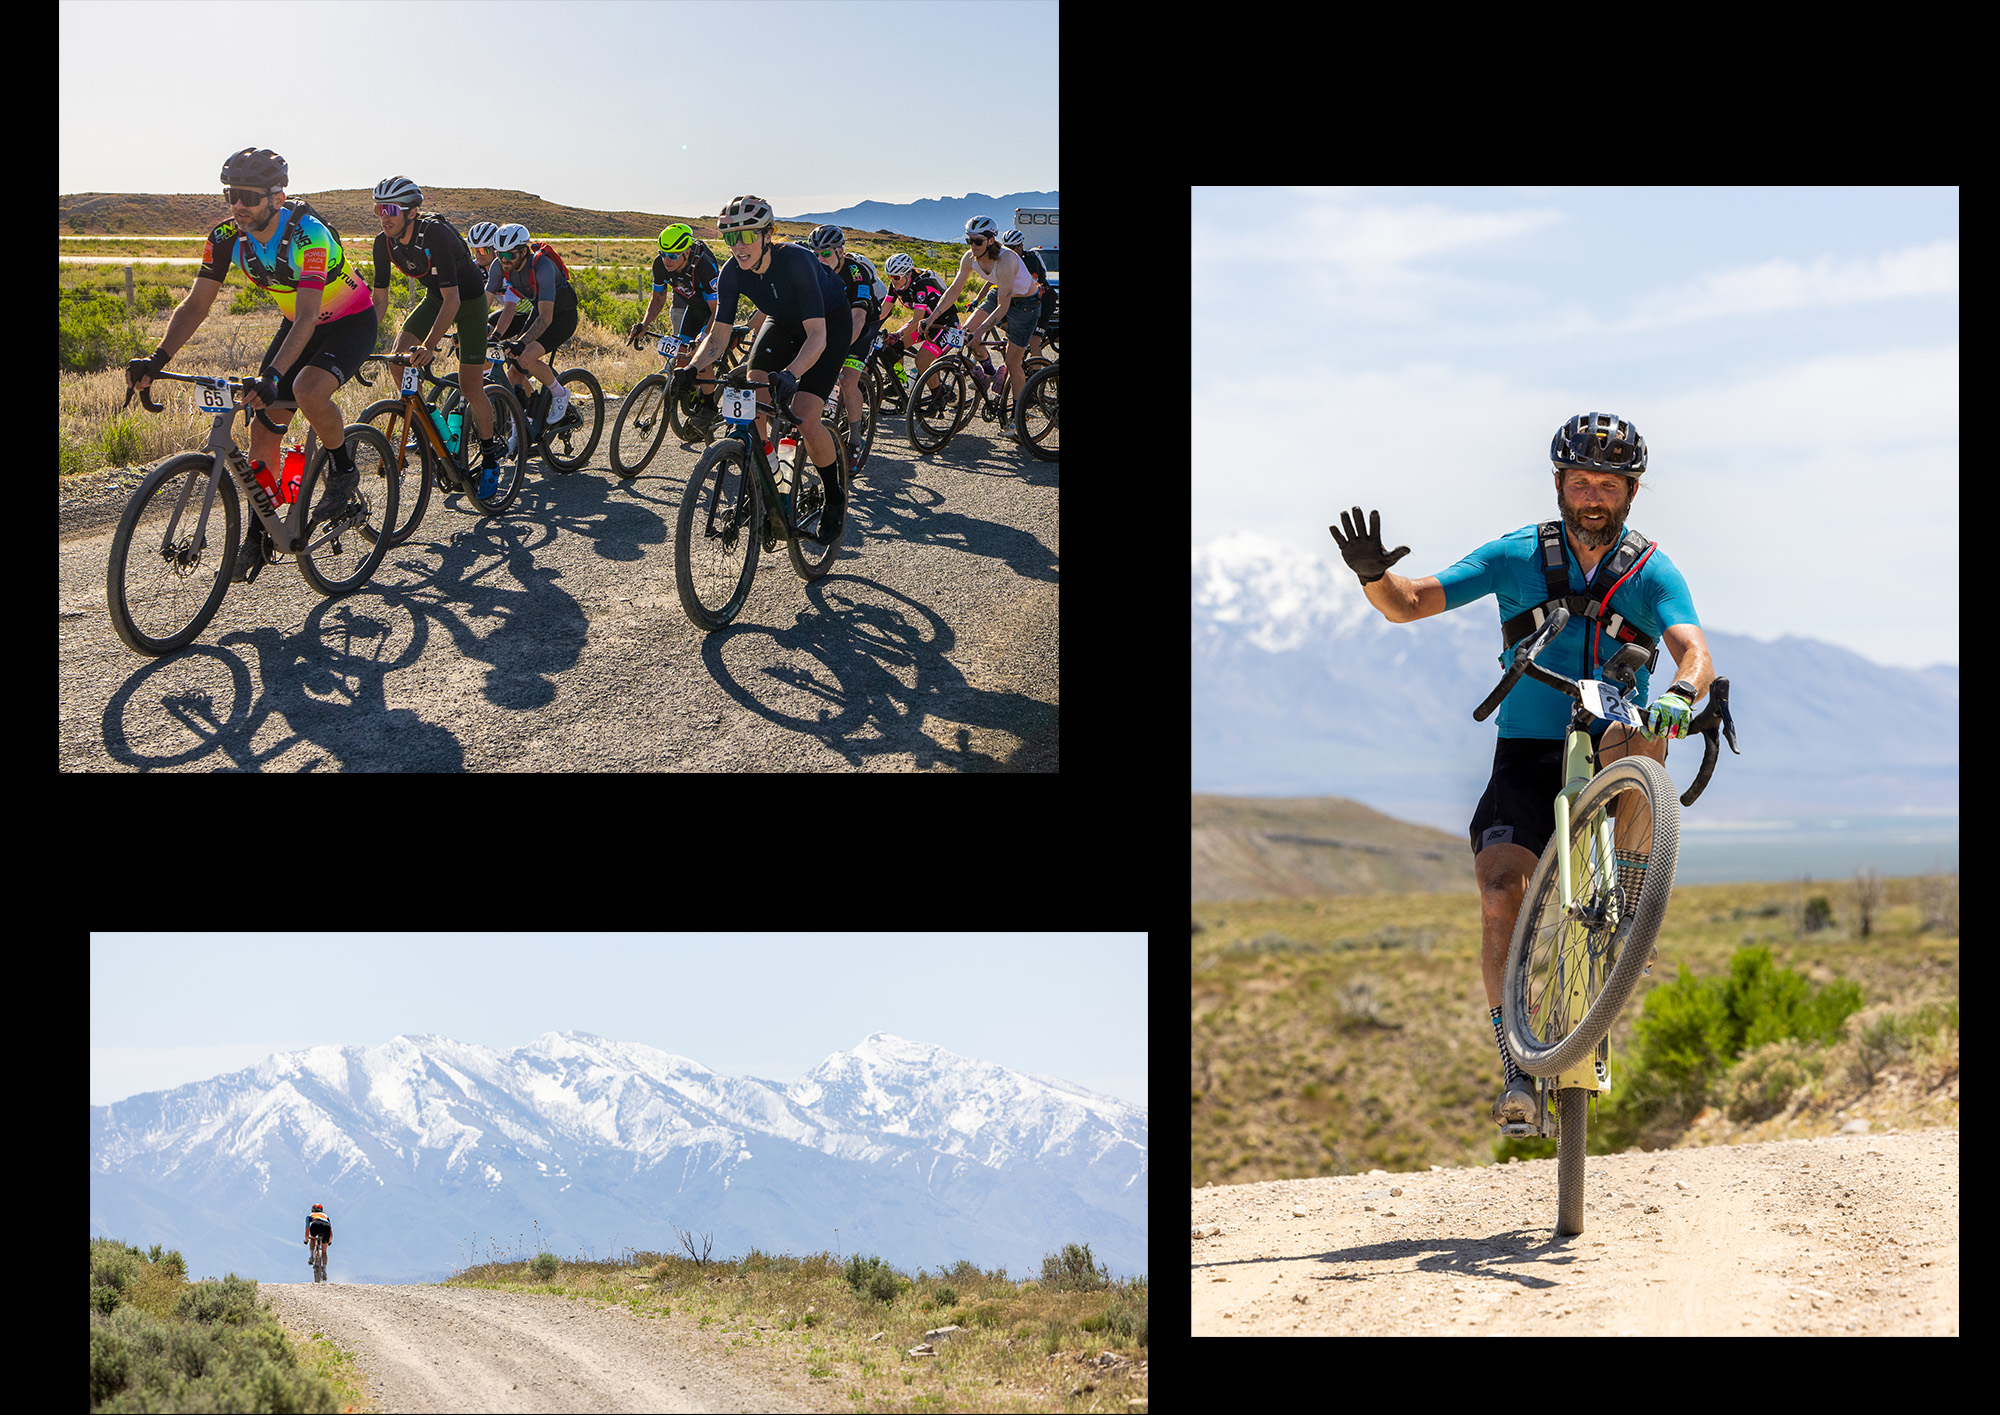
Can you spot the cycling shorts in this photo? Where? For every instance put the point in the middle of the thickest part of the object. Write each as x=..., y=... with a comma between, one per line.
x=470, y=324
x=1519, y=805
x=338, y=348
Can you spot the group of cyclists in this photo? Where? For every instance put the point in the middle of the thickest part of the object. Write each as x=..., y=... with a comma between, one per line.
x=820, y=310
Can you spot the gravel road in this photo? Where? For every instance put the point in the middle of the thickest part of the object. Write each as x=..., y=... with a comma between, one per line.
x=1844, y=1235
x=441, y=1348
x=552, y=639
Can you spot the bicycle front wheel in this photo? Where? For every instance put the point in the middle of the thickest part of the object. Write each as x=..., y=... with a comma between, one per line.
x=641, y=426
x=169, y=569
x=1571, y=970
x=716, y=541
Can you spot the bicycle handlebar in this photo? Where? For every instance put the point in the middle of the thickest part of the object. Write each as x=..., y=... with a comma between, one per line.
x=1708, y=723
x=230, y=381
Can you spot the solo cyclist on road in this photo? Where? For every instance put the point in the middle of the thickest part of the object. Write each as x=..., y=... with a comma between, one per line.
x=1620, y=589
x=318, y=1226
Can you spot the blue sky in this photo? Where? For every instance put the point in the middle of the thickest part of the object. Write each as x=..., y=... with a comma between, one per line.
x=166, y=1009
x=670, y=108
x=1790, y=356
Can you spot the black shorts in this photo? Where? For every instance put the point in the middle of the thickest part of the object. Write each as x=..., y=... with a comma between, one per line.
x=1519, y=805
x=338, y=348
x=776, y=348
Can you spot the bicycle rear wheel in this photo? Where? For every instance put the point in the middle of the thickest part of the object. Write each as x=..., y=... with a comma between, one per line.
x=1570, y=972
x=814, y=502
x=339, y=563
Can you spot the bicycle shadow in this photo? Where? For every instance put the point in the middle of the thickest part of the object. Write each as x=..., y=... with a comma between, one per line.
x=1518, y=1256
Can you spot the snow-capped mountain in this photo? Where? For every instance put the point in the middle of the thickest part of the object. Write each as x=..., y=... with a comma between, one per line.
x=1299, y=687
x=420, y=1145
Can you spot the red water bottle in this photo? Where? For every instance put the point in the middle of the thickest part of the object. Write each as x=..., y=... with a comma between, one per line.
x=265, y=480
x=294, y=469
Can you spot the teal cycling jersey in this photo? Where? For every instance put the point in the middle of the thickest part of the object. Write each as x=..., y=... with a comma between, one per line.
x=1511, y=568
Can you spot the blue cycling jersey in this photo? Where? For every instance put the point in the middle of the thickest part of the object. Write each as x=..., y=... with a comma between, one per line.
x=1511, y=567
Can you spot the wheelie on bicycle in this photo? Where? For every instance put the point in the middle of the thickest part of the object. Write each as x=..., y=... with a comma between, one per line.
x=1574, y=868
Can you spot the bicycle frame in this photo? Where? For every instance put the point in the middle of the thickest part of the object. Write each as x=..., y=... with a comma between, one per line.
x=287, y=531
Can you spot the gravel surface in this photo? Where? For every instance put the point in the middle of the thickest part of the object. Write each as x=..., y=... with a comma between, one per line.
x=552, y=638
x=441, y=1348
x=1843, y=1235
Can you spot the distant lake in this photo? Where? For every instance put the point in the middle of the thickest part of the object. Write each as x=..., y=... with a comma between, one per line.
x=1824, y=847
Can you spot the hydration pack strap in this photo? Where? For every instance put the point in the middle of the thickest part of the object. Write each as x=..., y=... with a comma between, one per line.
x=1618, y=567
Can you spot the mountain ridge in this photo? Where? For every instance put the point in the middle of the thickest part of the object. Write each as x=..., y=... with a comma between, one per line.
x=902, y=1146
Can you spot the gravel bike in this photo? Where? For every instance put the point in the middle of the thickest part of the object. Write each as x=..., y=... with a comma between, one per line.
x=412, y=427
x=733, y=501
x=647, y=412
x=167, y=574
x=318, y=1251
x=1588, y=924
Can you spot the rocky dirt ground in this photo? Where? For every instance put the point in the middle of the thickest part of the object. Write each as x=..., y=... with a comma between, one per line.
x=1841, y=1235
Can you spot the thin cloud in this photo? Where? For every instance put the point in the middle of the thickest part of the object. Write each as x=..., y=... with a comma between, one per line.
x=1826, y=282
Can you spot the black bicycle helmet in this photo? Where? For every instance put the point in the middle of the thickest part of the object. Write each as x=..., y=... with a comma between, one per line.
x=255, y=167
x=1599, y=442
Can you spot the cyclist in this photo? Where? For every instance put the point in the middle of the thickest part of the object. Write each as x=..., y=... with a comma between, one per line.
x=328, y=329
x=1010, y=297
x=801, y=347
x=1619, y=589
x=857, y=276
x=526, y=267
x=425, y=247
x=1017, y=243
x=919, y=290
x=687, y=267
x=318, y=1226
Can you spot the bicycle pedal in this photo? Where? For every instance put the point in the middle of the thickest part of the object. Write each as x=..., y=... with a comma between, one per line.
x=1519, y=1130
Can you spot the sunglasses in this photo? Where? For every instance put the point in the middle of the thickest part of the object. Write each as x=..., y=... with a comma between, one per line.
x=740, y=238
x=244, y=196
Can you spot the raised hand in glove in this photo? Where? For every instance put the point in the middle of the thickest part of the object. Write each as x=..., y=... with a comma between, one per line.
x=1362, y=550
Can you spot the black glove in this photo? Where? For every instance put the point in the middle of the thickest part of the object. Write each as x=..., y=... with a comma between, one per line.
x=1362, y=550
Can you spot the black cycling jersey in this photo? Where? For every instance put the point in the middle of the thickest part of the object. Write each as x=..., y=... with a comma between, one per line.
x=435, y=256
x=795, y=288
x=696, y=278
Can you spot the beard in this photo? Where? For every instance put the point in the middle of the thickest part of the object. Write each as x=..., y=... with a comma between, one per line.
x=1609, y=531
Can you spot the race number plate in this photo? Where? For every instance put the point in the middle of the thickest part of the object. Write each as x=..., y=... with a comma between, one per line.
x=739, y=405
x=1605, y=701
x=214, y=400
x=952, y=339
x=670, y=345
x=410, y=384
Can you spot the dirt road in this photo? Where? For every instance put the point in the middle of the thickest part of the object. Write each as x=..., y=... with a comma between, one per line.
x=440, y=1348
x=1846, y=1235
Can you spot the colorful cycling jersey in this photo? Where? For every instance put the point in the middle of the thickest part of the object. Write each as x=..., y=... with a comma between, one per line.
x=1511, y=568
x=302, y=254
x=922, y=294
x=435, y=256
x=696, y=278
x=864, y=286
x=795, y=288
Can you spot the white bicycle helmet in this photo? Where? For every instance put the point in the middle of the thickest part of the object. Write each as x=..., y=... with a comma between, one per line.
x=510, y=238
x=400, y=190
x=480, y=233
x=746, y=214
x=981, y=226
x=899, y=265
